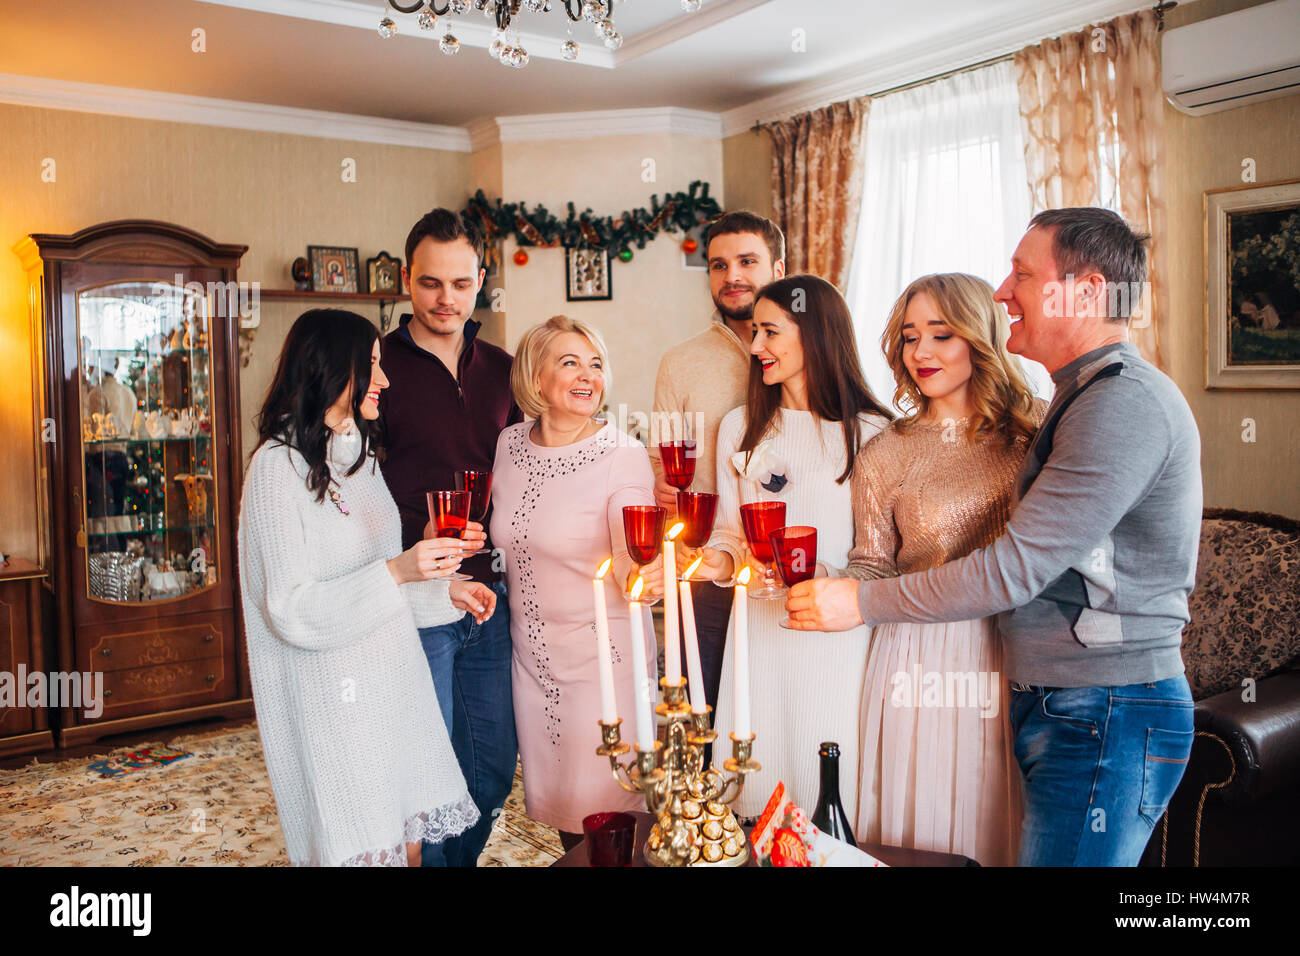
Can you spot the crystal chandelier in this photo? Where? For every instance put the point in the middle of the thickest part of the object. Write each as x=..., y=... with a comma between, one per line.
x=506, y=48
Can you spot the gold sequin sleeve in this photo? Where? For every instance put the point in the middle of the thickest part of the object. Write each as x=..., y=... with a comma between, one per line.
x=925, y=495
x=875, y=536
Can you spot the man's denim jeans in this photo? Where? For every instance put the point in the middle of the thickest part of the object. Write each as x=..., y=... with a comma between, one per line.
x=1099, y=766
x=471, y=674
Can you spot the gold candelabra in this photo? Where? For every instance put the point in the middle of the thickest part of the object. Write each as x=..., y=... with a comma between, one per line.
x=694, y=825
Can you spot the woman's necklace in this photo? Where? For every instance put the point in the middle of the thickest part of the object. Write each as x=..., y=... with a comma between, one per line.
x=345, y=427
x=333, y=492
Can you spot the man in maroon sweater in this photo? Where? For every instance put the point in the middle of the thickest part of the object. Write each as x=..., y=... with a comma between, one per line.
x=447, y=400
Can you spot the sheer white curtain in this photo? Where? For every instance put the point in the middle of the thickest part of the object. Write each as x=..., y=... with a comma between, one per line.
x=945, y=191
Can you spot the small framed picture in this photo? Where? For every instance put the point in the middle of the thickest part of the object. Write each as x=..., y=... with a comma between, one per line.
x=334, y=269
x=1252, y=307
x=696, y=259
x=384, y=274
x=586, y=275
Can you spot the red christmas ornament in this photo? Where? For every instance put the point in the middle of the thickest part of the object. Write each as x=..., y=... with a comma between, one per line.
x=689, y=246
x=521, y=258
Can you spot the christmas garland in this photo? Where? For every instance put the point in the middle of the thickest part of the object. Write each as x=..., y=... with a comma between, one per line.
x=678, y=212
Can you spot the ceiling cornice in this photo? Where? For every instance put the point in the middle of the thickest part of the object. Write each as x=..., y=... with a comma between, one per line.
x=940, y=53
x=594, y=123
x=679, y=28
x=483, y=133
x=232, y=114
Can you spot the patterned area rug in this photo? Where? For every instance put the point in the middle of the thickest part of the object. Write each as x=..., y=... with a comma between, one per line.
x=213, y=808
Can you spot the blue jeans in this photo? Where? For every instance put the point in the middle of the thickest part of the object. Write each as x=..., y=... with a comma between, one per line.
x=471, y=674
x=1099, y=766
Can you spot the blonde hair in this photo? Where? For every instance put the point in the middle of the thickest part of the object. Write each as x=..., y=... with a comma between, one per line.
x=1000, y=397
x=531, y=352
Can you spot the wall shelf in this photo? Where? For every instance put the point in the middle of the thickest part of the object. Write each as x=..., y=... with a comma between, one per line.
x=380, y=297
x=386, y=301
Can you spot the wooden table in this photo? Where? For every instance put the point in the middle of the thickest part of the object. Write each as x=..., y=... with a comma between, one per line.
x=890, y=855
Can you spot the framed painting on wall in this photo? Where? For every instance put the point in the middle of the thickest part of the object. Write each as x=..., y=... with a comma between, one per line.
x=695, y=259
x=1252, y=273
x=586, y=275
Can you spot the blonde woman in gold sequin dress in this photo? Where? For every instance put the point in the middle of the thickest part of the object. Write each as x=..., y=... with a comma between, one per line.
x=938, y=771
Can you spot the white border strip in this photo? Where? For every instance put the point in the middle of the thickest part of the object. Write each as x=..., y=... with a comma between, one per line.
x=233, y=114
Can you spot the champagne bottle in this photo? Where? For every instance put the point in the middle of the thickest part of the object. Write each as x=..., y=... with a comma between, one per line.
x=829, y=816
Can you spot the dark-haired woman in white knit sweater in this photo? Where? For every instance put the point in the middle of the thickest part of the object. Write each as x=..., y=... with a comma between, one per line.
x=359, y=759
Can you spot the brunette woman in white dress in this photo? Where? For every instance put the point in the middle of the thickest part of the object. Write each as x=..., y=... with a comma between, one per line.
x=808, y=411
x=359, y=759
x=938, y=767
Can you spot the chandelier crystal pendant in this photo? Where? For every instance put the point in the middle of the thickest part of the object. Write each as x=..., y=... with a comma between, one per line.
x=505, y=49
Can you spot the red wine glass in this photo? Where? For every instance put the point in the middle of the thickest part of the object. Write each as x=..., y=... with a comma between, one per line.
x=479, y=486
x=643, y=527
x=795, y=551
x=449, y=512
x=760, y=519
x=696, y=510
x=679, y=463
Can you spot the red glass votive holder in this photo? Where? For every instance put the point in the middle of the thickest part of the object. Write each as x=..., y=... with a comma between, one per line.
x=611, y=838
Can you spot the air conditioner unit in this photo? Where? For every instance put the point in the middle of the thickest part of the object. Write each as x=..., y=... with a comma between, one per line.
x=1232, y=60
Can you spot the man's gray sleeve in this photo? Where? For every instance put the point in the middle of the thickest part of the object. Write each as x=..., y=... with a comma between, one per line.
x=1110, y=447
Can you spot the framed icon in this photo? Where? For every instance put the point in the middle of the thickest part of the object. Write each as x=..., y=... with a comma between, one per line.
x=384, y=274
x=334, y=269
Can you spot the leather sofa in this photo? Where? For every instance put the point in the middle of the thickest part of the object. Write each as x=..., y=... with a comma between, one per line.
x=1239, y=801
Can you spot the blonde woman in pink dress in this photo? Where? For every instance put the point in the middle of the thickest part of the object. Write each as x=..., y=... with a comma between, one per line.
x=937, y=758
x=560, y=481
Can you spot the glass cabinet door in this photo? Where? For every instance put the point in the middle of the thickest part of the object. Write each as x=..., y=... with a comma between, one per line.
x=146, y=434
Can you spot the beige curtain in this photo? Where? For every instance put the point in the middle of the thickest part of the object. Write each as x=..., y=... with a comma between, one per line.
x=1093, y=115
x=817, y=187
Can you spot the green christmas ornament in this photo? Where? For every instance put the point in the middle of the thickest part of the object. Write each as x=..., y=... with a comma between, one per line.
x=625, y=255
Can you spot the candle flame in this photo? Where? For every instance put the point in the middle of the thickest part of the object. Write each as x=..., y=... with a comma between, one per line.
x=691, y=569
x=637, y=588
x=604, y=568
x=675, y=530
x=743, y=577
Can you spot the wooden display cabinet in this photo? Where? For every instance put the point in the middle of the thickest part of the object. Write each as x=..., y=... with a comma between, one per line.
x=23, y=728
x=138, y=339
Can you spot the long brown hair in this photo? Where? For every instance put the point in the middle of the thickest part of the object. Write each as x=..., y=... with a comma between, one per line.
x=326, y=352
x=837, y=389
x=1000, y=397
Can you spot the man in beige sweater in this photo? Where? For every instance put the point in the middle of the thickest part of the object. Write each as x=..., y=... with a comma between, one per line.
x=703, y=378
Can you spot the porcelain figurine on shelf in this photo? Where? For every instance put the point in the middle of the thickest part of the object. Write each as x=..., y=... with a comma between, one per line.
x=156, y=425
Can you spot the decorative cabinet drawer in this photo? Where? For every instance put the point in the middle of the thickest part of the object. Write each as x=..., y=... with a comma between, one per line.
x=190, y=642
x=164, y=681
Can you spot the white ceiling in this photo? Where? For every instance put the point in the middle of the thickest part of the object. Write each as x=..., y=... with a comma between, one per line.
x=732, y=55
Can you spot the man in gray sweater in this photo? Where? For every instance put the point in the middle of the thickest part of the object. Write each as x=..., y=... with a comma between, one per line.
x=1091, y=577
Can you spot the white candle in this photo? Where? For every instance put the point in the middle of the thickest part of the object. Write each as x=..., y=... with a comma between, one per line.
x=740, y=610
x=645, y=724
x=672, y=649
x=694, y=673
x=608, y=707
